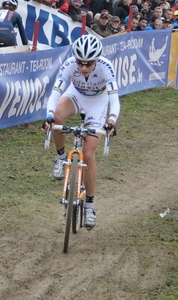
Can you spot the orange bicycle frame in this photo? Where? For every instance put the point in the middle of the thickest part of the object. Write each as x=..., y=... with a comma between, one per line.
x=68, y=167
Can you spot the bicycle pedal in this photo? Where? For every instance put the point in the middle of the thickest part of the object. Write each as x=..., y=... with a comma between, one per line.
x=64, y=201
x=76, y=202
x=67, y=162
x=81, y=164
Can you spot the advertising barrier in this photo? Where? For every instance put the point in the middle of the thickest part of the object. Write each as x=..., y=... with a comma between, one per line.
x=26, y=81
x=140, y=60
x=56, y=29
x=173, y=57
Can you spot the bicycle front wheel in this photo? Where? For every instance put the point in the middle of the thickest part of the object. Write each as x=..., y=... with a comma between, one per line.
x=72, y=195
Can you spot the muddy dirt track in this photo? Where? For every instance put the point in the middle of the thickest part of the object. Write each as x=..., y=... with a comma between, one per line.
x=101, y=264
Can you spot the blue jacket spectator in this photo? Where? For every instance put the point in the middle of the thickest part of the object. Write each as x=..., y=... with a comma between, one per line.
x=7, y=33
x=157, y=24
x=16, y=19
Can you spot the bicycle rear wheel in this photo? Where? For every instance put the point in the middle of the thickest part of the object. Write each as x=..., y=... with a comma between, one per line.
x=72, y=194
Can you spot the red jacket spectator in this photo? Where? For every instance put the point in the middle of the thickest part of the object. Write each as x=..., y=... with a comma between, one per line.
x=175, y=6
x=63, y=5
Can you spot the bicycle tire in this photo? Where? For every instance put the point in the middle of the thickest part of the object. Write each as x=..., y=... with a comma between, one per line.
x=77, y=216
x=106, y=147
x=72, y=194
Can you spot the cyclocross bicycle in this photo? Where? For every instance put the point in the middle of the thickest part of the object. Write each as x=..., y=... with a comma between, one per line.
x=73, y=189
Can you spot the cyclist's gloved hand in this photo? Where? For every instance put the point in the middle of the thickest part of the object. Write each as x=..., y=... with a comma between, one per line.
x=109, y=127
x=49, y=119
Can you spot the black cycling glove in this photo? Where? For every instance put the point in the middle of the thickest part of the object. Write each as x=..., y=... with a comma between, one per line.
x=49, y=119
x=108, y=127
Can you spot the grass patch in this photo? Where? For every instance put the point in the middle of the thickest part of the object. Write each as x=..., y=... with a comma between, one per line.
x=146, y=132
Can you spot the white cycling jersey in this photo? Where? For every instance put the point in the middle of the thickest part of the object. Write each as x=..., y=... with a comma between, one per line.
x=100, y=85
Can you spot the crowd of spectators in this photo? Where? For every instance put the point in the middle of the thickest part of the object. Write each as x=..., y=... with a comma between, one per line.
x=108, y=18
x=105, y=17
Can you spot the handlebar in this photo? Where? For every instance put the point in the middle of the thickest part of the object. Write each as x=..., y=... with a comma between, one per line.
x=79, y=131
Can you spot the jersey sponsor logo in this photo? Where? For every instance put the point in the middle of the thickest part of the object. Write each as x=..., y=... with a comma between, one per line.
x=93, y=124
x=89, y=92
x=90, y=118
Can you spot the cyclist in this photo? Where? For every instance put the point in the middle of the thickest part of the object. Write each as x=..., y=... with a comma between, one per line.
x=16, y=19
x=93, y=86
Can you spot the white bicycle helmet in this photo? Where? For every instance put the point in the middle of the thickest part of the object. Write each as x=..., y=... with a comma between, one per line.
x=87, y=48
x=13, y=3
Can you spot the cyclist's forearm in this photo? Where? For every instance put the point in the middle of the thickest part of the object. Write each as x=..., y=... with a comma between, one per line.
x=52, y=101
x=114, y=108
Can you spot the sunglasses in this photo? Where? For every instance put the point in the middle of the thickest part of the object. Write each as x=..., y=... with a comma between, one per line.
x=87, y=64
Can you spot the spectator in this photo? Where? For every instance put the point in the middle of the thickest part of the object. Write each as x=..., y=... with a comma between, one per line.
x=157, y=13
x=157, y=24
x=113, y=25
x=171, y=2
x=163, y=5
x=7, y=33
x=96, y=17
x=96, y=6
x=100, y=25
x=76, y=13
x=134, y=12
x=175, y=22
x=175, y=7
x=105, y=11
x=146, y=10
x=16, y=19
x=138, y=15
x=62, y=5
x=114, y=6
x=167, y=5
x=51, y=3
x=122, y=9
x=167, y=24
x=134, y=24
x=142, y=24
x=168, y=14
x=138, y=3
x=154, y=4
x=122, y=28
